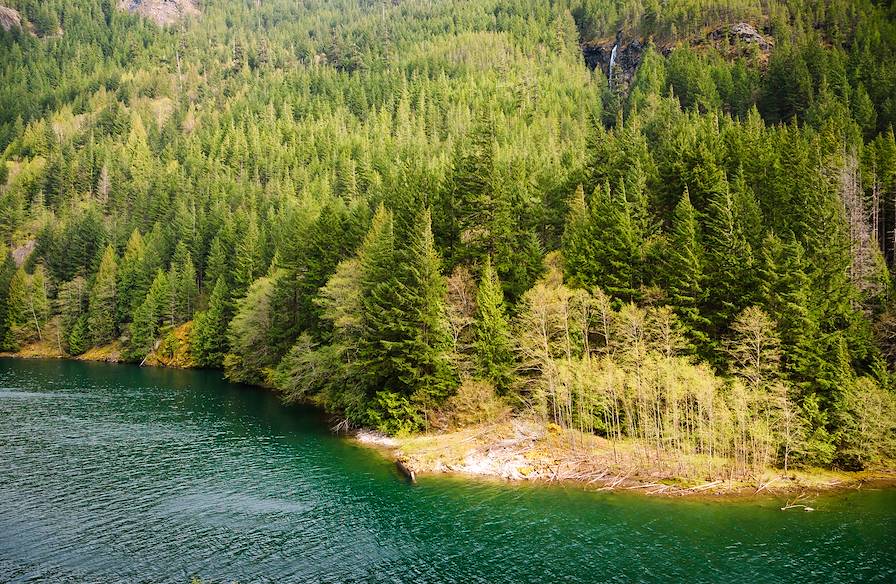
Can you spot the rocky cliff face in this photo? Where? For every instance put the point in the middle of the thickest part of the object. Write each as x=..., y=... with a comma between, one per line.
x=730, y=39
x=163, y=12
x=629, y=53
x=9, y=19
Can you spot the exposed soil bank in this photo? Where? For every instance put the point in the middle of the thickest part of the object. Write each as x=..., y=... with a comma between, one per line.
x=171, y=351
x=522, y=450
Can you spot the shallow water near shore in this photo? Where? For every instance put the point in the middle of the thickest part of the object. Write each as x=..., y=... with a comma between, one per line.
x=112, y=473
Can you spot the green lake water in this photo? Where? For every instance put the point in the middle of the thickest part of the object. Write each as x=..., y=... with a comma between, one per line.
x=120, y=474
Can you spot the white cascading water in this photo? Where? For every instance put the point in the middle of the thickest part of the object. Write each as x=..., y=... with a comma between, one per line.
x=612, y=62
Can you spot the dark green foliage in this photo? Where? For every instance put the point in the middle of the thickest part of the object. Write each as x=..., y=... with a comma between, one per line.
x=79, y=336
x=731, y=281
x=209, y=340
x=603, y=245
x=14, y=316
x=133, y=278
x=72, y=299
x=154, y=312
x=7, y=271
x=683, y=276
x=406, y=344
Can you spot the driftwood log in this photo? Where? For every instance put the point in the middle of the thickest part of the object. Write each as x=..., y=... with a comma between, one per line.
x=405, y=471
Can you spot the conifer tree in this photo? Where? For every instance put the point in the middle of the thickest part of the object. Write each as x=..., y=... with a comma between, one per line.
x=149, y=316
x=248, y=260
x=731, y=261
x=376, y=259
x=217, y=265
x=472, y=201
x=209, y=335
x=492, y=343
x=15, y=317
x=71, y=299
x=79, y=337
x=101, y=320
x=683, y=270
x=784, y=289
x=421, y=353
x=184, y=284
x=133, y=280
x=7, y=271
x=605, y=249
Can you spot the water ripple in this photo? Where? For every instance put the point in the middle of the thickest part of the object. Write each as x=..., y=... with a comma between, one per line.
x=117, y=474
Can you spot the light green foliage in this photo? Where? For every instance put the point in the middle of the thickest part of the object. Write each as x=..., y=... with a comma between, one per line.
x=101, y=312
x=250, y=354
x=492, y=344
x=38, y=303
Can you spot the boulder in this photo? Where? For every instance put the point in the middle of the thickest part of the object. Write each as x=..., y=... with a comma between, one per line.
x=163, y=12
x=9, y=19
x=744, y=33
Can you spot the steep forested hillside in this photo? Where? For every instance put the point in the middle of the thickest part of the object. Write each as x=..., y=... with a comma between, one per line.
x=671, y=223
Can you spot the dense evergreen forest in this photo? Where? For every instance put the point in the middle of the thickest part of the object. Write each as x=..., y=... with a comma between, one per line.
x=421, y=213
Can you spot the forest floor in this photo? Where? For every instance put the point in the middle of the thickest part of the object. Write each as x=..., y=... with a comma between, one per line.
x=524, y=450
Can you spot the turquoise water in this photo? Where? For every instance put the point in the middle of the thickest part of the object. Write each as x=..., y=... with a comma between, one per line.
x=120, y=474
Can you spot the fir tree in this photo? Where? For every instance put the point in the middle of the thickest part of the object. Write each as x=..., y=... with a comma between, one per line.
x=411, y=323
x=155, y=309
x=101, y=320
x=731, y=257
x=133, y=280
x=184, y=286
x=71, y=299
x=248, y=261
x=79, y=337
x=605, y=249
x=209, y=333
x=492, y=343
x=217, y=265
x=683, y=271
x=15, y=317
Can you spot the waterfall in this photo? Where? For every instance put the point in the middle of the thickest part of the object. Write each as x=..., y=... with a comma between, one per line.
x=612, y=62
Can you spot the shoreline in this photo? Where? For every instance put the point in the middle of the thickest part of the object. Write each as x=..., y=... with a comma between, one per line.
x=521, y=451
x=485, y=453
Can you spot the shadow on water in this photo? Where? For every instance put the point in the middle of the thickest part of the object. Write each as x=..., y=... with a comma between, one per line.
x=116, y=473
